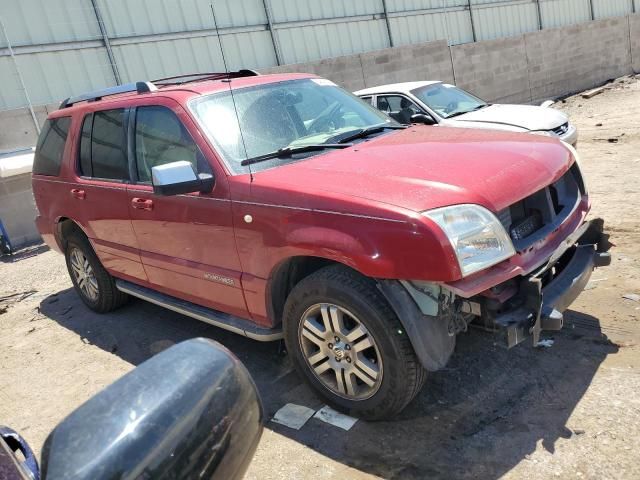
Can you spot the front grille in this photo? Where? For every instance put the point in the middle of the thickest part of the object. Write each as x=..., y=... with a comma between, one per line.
x=535, y=216
x=561, y=130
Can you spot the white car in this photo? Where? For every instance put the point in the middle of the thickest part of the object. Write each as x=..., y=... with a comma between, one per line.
x=439, y=103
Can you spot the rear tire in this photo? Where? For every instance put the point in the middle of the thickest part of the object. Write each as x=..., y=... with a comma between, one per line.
x=92, y=282
x=349, y=345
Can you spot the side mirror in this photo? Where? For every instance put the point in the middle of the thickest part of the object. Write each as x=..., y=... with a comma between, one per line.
x=177, y=178
x=547, y=103
x=191, y=411
x=422, y=118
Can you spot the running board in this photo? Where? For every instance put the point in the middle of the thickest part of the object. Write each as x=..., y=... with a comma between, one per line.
x=207, y=315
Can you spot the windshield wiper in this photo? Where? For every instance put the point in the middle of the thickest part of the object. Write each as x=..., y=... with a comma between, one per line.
x=468, y=111
x=363, y=132
x=288, y=151
x=456, y=114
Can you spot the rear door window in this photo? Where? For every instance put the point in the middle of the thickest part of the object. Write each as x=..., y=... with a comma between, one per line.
x=161, y=138
x=103, y=146
x=50, y=147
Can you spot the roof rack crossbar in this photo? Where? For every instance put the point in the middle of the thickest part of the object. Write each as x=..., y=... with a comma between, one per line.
x=209, y=76
x=140, y=87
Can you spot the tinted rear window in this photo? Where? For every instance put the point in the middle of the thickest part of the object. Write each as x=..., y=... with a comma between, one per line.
x=50, y=148
x=108, y=146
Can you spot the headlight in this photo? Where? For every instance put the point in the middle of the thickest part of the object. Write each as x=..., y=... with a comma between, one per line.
x=544, y=133
x=476, y=235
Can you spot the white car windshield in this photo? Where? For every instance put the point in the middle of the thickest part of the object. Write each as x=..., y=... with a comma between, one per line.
x=285, y=115
x=447, y=100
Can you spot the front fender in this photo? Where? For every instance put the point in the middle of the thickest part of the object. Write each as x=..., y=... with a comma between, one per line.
x=429, y=335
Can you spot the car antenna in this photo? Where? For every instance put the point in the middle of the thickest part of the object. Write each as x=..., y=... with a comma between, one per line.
x=228, y=79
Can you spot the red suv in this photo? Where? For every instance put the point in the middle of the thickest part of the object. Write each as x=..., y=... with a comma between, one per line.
x=282, y=206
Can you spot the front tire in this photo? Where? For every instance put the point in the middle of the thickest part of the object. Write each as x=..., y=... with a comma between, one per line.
x=92, y=282
x=349, y=345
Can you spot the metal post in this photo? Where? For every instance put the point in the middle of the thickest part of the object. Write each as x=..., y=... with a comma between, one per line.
x=473, y=27
x=386, y=19
x=107, y=44
x=539, y=15
x=633, y=6
x=22, y=85
x=274, y=37
x=446, y=23
x=593, y=16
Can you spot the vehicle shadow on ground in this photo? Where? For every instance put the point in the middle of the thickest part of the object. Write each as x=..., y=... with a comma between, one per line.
x=478, y=418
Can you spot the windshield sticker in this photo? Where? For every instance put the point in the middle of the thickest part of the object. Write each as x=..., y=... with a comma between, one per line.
x=323, y=82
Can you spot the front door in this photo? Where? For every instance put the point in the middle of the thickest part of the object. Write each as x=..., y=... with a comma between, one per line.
x=187, y=243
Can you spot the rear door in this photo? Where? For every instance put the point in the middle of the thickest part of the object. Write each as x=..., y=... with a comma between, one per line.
x=186, y=242
x=100, y=191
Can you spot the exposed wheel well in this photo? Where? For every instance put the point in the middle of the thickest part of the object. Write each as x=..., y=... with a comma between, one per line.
x=286, y=276
x=66, y=227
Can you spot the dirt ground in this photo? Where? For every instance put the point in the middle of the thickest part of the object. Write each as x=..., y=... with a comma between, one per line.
x=569, y=411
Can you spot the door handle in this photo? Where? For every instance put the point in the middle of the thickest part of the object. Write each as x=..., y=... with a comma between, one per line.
x=79, y=194
x=142, y=204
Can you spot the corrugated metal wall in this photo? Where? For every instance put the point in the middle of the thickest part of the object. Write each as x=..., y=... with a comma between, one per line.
x=60, y=49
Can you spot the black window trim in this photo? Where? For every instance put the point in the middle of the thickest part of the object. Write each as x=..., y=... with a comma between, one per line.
x=125, y=120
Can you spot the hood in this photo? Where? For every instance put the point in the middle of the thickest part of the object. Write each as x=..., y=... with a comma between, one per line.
x=424, y=167
x=523, y=116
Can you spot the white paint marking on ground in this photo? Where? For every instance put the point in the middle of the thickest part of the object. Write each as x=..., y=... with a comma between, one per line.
x=293, y=416
x=337, y=419
x=545, y=343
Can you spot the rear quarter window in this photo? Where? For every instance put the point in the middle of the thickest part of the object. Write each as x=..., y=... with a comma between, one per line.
x=50, y=147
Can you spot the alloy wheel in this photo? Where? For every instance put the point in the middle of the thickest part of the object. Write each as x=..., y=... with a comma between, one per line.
x=83, y=274
x=340, y=351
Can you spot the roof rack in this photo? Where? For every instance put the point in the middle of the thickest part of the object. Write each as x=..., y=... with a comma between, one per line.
x=146, y=87
x=140, y=87
x=200, y=77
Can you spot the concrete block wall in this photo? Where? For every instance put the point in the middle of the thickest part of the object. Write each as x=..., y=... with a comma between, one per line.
x=354, y=72
x=634, y=37
x=345, y=71
x=570, y=59
x=526, y=68
x=18, y=209
x=411, y=62
x=495, y=70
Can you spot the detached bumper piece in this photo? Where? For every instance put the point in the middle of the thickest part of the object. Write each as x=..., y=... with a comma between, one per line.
x=545, y=294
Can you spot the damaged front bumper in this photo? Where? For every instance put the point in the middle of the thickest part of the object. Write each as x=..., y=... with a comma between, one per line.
x=432, y=314
x=547, y=292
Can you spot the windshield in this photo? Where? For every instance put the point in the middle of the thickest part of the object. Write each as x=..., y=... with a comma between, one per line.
x=447, y=100
x=275, y=116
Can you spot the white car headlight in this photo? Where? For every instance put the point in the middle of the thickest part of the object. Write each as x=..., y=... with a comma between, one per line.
x=544, y=133
x=476, y=235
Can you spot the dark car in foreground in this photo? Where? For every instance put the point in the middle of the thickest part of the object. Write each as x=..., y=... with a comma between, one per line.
x=190, y=412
